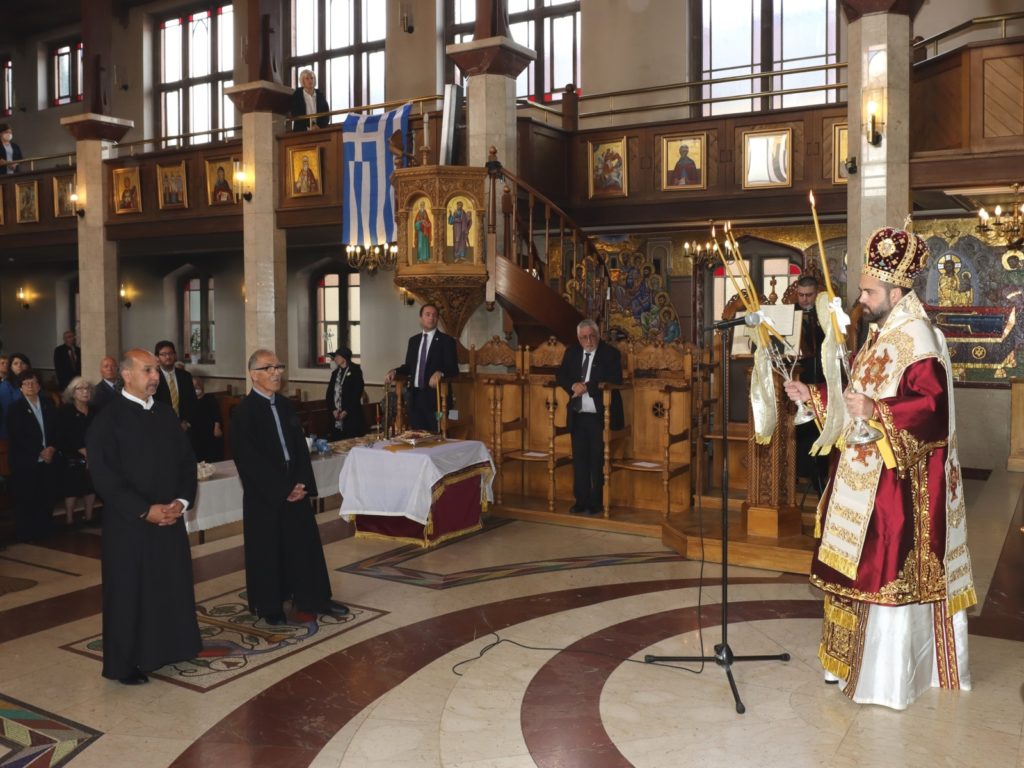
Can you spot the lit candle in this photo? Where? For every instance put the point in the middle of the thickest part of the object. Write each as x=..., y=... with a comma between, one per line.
x=999, y=213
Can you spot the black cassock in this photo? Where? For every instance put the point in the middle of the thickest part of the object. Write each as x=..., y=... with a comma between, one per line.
x=284, y=558
x=138, y=458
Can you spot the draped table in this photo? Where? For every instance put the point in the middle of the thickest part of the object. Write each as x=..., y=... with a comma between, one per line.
x=219, y=498
x=421, y=495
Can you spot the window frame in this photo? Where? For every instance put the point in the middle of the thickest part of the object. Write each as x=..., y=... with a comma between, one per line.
x=345, y=319
x=76, y=61
x=207, y=353
x=318, y=61
x=765, y=45
x=6, y=86
x=542, y=67
x=217, y=79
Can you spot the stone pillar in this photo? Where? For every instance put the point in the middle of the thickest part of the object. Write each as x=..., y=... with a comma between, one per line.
x=265, y=254
x=492, y=64
x=98, y=283
x=879, y=72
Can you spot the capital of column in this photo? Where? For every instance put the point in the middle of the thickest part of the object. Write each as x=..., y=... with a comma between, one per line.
x=260, y=96
x=491, y=56
x=90, y=125
x=854, y=9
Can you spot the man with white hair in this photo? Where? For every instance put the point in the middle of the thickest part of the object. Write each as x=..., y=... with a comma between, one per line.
x=585, y=366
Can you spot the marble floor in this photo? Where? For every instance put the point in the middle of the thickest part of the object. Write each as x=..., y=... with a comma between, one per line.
x=521, y=645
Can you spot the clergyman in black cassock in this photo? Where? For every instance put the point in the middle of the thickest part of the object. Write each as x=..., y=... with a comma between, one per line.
x=142, y=464
x=284, y=558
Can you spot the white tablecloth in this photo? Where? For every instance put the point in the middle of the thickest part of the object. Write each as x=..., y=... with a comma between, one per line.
x=375, y=481
x=219, y=499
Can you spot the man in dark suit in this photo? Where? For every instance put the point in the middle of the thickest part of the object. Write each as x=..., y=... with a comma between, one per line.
x=67, y=360
x=284, y=559
x=584, y=367
x=176, y=387
x=430, y=357
x=109, y=385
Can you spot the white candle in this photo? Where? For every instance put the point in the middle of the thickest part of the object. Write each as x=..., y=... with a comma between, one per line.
x=426, y=129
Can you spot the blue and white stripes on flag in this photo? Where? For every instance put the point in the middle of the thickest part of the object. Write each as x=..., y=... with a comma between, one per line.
x=368, y=213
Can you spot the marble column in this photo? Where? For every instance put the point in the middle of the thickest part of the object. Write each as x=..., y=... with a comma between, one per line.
x=266, y=271
x=98, y=283
x=879, y=74
x=265, y=252
x=492, y=65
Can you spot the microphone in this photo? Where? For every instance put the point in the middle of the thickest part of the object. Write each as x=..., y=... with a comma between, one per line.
x=751, y=320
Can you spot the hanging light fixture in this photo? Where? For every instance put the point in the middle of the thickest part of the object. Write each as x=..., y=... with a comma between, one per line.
x=373, y=257
x=1009, y=225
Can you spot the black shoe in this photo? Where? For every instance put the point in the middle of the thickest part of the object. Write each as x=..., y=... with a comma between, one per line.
x=593, y=511
x=275, y=619
x=576, y=509
x=135, y=677
x=336, y=609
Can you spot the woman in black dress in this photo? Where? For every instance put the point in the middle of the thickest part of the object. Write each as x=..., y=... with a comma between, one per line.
x=345, y=397
x=73, y=420
x=31, y=430
x=207, y=431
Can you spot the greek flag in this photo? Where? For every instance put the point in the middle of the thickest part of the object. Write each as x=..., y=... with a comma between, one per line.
x=368, y=216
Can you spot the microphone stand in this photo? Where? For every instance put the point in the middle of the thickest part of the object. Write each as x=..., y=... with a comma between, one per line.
x=724, y=657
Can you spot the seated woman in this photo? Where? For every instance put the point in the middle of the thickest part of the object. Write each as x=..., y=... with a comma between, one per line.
x=73, y=420
x=31, y=430
x=345, y=397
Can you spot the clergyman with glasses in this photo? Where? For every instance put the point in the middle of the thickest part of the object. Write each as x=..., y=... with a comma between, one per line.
x=284, y=558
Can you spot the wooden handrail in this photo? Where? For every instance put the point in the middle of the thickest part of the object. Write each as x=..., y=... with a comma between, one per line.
x=977, y=21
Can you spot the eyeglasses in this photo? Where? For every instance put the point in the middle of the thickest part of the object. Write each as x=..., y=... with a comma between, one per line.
x=280, y=367
x=86, y=387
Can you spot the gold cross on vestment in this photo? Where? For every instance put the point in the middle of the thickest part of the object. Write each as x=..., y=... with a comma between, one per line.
x=873, y=371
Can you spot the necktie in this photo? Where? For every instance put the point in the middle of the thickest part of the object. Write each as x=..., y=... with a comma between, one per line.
x=172, y=385
x=586, y=363
x=71, y=354
x=422, y=375
x=280, y=432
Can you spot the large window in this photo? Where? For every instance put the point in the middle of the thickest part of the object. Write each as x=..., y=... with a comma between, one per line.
x=199, y=340
x=747, y=37
x=342, y=42
x=66, y=78
x=549, y=27
x=337, y=314
x=6, y=87
x=196, y=63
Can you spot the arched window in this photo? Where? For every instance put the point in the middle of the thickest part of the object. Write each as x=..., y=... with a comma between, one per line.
x=336, y=302
x=198, y=339
x=762, y=270
x=549, y=27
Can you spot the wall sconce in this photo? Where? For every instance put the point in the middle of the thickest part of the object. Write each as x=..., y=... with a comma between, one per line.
x=80, y=212
x=126, y=297
x=850, y=164
x=407, y=298
x=24, y=297
x=405, y=18
x=871, y=126
x=242, y=185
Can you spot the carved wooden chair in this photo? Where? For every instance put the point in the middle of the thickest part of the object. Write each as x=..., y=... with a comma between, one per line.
x=663, y=374
x=513, y=410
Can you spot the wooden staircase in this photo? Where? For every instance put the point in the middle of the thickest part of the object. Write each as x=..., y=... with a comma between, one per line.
x=537, y=312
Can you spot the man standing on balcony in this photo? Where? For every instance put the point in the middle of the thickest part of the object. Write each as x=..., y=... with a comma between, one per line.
x=585, y=366
x=430, y=357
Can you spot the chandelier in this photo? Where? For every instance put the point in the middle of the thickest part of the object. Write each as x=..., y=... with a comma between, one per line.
x=372, y=256
x=1009, y=225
